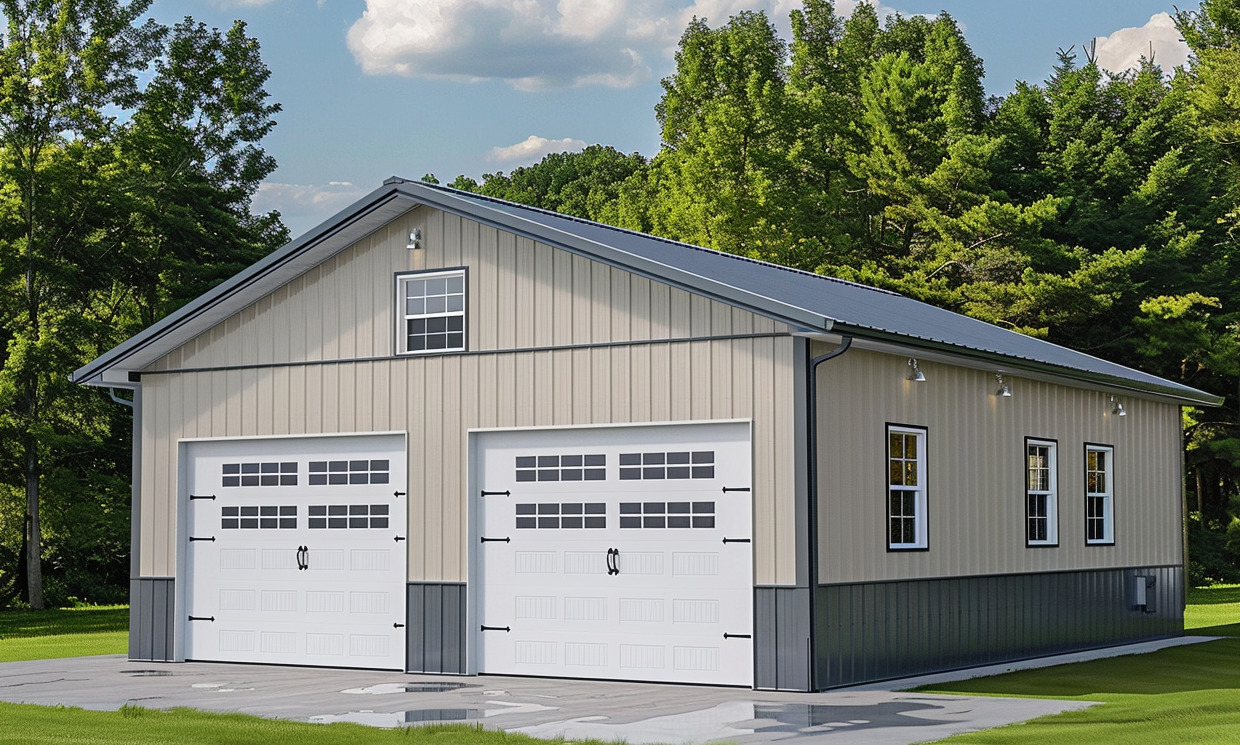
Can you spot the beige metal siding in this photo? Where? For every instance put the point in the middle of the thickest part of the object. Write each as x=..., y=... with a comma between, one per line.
x=976, y=477
x=522, y=296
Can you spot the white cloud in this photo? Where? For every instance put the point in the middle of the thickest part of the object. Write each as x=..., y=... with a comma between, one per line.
x=1124, y=49
x=532, y=149
x=539, y=44
x=305, y=199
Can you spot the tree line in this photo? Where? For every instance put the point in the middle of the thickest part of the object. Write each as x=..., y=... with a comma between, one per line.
x=129, y=151
x=1097, y=210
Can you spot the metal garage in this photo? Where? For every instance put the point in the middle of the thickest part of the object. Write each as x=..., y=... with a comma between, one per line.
x=295, y=551
x=620, y=552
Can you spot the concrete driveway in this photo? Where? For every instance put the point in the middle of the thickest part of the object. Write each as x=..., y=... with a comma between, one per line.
x=632, y=712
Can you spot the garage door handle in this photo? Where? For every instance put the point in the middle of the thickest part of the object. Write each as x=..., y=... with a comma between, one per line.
x=202, y=496
x=192, y=539
x=496, y=628
x=398, y=494
x=727, y=489
x=504, y=493
x=399, y=538
x=737, y=636
x=736, y=540
x=202, y=618
x=497, y=540
x=613, y=561
x=398, y=625
x=303, y=557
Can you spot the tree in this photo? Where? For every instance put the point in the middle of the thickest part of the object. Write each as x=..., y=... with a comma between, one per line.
x=121, y=199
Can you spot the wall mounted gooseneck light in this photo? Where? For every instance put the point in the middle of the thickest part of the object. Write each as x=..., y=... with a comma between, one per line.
x=915, y=373
x=1003, y=391
x=1117, y=408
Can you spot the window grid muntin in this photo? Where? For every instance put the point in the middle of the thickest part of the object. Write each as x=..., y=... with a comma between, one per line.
x=1099, y=496
x=906, y=489
x=348, y=516
x=260, y=473
x=561, y=515
x=431, y=311
x=1041, y=492
x=570, y=467
x=667, y=515
x=349, y=471
x=258, y=517
x=668, y=465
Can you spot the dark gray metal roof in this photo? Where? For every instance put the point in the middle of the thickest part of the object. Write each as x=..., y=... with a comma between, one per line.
x=803, y=300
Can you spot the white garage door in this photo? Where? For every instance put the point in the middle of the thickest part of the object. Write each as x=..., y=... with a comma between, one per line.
x=296, y=551
x=617, y=553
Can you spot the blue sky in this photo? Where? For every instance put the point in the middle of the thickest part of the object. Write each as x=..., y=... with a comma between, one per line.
x=375, y=88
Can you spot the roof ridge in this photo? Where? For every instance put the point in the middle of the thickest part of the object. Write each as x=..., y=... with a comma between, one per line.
x=572, y=218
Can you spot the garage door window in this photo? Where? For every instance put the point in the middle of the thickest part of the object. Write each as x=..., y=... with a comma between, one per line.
x=341, y=472
x=567, y=515
x=259, y=474
x=674, y=465
x=667, y=515
x=259, y=517
x=573, y=467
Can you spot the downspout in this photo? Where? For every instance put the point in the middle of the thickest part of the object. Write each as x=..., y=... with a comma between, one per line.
x=812, y=444
x=118, y=399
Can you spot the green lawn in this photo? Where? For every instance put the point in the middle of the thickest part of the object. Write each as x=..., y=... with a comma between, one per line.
x=41, y=725
x=63, y=632
x=1185, y=694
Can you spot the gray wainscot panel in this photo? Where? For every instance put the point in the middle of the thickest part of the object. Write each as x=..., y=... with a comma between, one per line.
x=435, y=627
x=151, y=622
x=781, y=638
x=879, y=631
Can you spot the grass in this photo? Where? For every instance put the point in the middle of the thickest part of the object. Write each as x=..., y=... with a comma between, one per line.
x=63, y=632
x=40, y=725
x=1187, y=694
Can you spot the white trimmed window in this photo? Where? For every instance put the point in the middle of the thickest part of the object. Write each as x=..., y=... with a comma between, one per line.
x=431, y=312
x=1041, y=493
x=1099, y=495
x=906, y=488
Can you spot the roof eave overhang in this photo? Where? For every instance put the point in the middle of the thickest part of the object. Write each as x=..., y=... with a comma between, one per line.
x=1184, y=396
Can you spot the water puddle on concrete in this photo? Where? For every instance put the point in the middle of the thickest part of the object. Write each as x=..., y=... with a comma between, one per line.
x=425, y=716
x=825, y=718
x=382, y=689
x=146, y=673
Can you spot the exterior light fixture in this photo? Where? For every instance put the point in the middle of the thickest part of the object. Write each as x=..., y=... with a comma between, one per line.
x=915, y=374
x=1003, y=391
x=415, y=238
x=1117, y=408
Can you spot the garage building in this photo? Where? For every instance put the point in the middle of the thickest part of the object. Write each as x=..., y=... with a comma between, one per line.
x=448, y=434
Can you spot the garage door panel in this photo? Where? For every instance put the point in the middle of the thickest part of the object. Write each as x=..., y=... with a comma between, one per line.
x=605, y=556
x=297, y=560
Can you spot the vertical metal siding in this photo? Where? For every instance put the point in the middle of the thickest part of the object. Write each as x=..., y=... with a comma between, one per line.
x=151, y=622
x=975, y=480
x=434, y=620
x=877, y=631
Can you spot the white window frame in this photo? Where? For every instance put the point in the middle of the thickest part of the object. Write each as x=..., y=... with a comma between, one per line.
x=920, y=540
x=403, y=316
x=1050, y=494
x=1100, y=497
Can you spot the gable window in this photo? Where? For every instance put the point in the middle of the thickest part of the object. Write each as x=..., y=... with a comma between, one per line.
x=431, y=312
x=906, y=488
x=1041, y=493
x=1099, y=495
